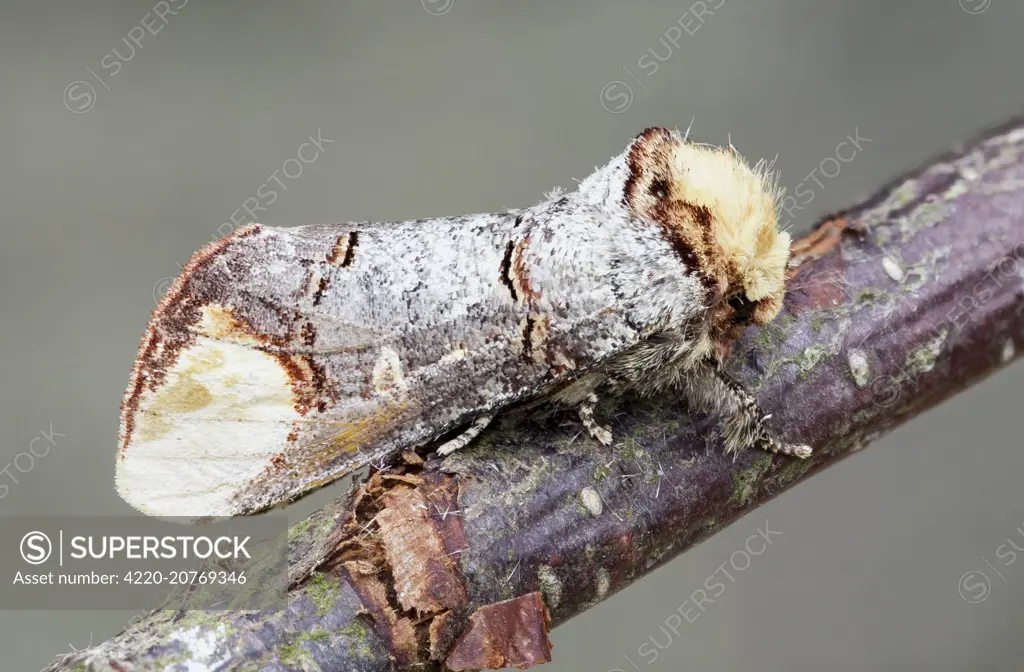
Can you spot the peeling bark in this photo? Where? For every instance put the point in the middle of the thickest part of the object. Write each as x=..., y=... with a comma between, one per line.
x=897, y=303
x=513, y=633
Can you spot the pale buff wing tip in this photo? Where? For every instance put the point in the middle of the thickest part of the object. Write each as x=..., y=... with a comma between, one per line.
x=201, y=416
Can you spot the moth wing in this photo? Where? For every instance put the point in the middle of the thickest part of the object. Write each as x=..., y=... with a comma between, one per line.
x=281, y=359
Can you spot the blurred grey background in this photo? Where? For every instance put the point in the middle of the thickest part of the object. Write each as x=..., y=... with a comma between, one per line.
x=111, y=179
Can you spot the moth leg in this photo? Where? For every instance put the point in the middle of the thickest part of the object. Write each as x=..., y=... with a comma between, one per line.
x=709, y=389
x=460, y=441
x=585, y=410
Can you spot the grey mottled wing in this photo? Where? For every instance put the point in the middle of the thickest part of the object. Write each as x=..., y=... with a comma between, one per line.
x=282, y=359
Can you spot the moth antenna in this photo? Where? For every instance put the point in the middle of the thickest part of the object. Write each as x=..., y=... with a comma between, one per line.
x=686, y=136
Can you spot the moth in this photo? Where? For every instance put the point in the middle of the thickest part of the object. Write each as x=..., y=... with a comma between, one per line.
x=283, y=358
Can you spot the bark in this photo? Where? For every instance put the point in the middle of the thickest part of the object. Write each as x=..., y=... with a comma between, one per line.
x=895, y=304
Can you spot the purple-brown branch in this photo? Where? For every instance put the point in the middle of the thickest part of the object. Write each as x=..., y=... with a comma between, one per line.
x=895, y=305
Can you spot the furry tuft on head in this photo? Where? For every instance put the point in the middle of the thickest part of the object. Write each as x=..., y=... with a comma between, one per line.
x=720, y=216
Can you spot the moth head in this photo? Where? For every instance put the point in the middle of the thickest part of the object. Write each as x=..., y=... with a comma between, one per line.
x=719, y=215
